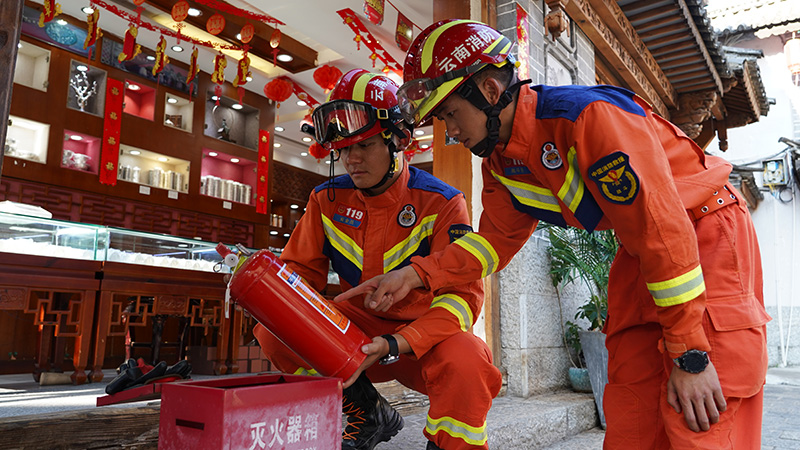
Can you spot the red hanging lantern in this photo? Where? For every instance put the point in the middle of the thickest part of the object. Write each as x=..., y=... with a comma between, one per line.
x=326, y=77
x=215, y=24
x=247, y=33
x=278, y=90
x=318, y=151
x=180, y=11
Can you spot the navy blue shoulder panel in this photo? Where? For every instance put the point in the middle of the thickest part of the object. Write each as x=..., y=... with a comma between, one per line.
x=568, y=102
x=340, y=182
x=419, y=179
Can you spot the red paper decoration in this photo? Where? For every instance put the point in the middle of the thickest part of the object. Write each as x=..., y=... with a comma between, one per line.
x=362, y=34
x=217, y=93
x=404, y=32
x=247, y=33
x=278, y=90
x=215, y=24
x=50, y=9
x=317, y=151
x=180, y=11
x=92, y=28
x=274, y=42
x=373, y=9
x=326, y=77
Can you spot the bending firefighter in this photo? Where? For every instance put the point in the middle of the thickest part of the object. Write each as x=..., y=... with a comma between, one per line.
x=373, y=221
x=686, y=330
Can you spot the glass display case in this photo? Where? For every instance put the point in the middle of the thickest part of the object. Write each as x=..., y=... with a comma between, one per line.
x=228, y=120
x=87, y=88
x=33, y=66
x=28, y=235
x=27, y=139
x=227, y=177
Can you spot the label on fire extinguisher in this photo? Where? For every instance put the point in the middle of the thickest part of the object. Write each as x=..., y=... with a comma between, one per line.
x=294, y=280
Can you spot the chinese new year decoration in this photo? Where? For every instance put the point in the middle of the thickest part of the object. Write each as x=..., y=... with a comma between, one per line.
x=219, y=69
x=262, y=172
x=215, y=24
x=109, y=152
x=373, y=9
x=242, y=71
x=522, y=42
x=247, y=33
x=326, y=77
x=92, y=28
x=50, y=9
x=180, y=11
x=193, y=67
x=363, y=35
x=317, y=151
x=129, y=47
x=278, y=90
x=404, y=33
x=161, y=56
x=274, y=42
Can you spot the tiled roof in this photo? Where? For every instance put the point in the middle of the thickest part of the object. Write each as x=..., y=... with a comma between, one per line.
x=737, y=16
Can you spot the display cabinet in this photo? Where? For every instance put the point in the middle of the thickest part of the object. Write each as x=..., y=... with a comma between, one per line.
x=87, y=88
x=178, y=112
x=140, y=100
x=27, y=139
x=80, y=152
x=142, y=166
x=33, y=66
x=227, y=177
x=228, y=120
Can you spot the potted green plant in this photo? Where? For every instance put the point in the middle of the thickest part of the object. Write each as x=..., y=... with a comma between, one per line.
x=577, y=255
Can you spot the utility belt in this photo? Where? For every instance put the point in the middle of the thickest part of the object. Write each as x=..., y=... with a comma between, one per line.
x=728, y=195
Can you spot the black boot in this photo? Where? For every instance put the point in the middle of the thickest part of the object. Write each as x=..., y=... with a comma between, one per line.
x=370, y=418
x=432, y=446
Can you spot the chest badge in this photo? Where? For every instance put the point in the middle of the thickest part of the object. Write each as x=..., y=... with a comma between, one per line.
x=550, y=157
x=348, y=215
x=615, y=178
x=407, y=217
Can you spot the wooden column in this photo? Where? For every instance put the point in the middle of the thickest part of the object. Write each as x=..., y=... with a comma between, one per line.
x=10, y=20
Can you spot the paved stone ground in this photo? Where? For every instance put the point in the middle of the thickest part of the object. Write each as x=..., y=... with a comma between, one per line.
x=781, y=427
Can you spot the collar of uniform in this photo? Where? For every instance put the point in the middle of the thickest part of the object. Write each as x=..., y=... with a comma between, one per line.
x=523, y=131
x=391, y=196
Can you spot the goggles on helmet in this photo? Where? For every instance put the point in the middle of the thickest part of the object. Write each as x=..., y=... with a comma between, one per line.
x=346, y=118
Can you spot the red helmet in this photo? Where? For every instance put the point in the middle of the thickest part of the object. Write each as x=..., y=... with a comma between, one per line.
x=361, y=105
x=441, y=58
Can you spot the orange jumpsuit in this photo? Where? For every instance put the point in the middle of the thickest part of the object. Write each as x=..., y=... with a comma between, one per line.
x=361, y=237
x=597, y=158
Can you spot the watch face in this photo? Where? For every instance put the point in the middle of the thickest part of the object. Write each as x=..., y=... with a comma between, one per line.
x=694, y=361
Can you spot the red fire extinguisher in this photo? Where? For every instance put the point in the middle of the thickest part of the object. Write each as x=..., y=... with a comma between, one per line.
x=298, y=315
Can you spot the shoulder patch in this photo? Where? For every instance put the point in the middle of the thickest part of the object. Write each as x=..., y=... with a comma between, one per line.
x=568, y=102
x=458, y=230
x=419, y=179
x=615, y=178
x=340, y=182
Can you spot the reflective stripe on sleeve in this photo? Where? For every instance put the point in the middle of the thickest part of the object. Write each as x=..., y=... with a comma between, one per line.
x=530, y=195
x=482, y=250
x=456, y=306
x=571, y=192
x=680, y=289
x=343, y=243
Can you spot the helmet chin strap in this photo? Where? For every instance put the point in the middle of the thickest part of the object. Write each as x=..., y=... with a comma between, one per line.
x=470, y=92
x=389, y=173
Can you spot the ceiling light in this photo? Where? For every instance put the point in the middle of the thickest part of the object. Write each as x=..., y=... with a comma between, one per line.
x=194, y=12
x=277, y=145
x=419, y=132
x=424, y=146
x=163, y=158
x=293, y=206
x=212, y=153
x=301, y=103
x=177, y=48
x=81, y=68
x=273, y=233
x=151, y=58
x=61, y=22
x=214, y=98
x=285, y=234
x=327, y=161
x=234, y=160
x=75, y=137
x=172, y=100
x=306, y=139
x=248, y=78
x=19, y=45
x=283, y=57
x=238, y=36
x=279, y=129
x=133, y=87
x=135, y=152
x=236, y=106
x=303, y=153
x=87, y=10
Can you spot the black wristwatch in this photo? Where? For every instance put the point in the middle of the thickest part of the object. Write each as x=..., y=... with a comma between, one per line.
x=394, y=351
x=692, y=361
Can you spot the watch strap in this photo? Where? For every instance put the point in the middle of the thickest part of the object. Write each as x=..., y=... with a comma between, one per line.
x=394, y=350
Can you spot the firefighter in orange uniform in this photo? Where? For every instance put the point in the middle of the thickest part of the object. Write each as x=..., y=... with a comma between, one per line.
x=686, y=323
x=372, y=221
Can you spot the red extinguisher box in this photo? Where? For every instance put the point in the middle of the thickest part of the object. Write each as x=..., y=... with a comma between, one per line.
x=273, y=411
